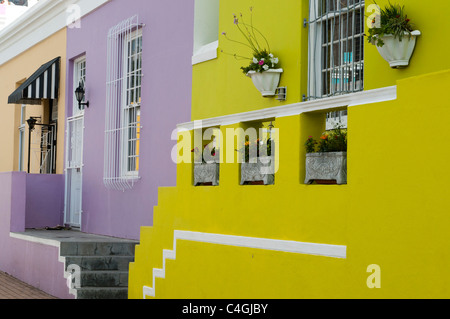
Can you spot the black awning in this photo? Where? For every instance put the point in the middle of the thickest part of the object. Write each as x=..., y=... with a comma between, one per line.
x=43, y=84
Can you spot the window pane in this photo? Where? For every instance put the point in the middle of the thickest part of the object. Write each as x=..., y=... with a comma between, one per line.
x=341, y=26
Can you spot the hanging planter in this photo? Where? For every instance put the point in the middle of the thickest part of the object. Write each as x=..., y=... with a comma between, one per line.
x=263, y=68
x=266, y=82
x=394, y=36
x=398, y=53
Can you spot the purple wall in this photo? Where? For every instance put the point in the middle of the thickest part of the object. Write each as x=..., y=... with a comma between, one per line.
x=44, y=200
x=36, y=200
x=166, y=99
x=33, y=263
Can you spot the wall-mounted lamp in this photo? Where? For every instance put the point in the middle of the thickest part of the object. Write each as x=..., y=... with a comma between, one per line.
x=32, y=122
x=79, y=95
x=281, y=93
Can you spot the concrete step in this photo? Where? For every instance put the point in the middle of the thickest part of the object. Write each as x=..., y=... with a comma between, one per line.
x=102, y=293
x=100, y=262
x=104, y=279
x=97, y=248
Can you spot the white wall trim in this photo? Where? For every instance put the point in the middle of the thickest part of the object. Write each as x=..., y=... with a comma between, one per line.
x=335, y=251
x=349, y=100
x=206, y=52
x=38, y=23
x=34, y=239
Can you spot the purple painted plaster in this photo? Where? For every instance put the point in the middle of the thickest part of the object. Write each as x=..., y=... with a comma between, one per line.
x=44, y=200
x=166, y=100
x=33, y=263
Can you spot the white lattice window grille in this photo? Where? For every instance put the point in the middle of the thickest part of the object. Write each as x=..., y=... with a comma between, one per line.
x=124, y=77
x=336, y=47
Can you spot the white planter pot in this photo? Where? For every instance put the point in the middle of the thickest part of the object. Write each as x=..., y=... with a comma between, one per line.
x=206, y=173
x=326, y=167
x=266, y=82
x=262, y=170
x=398, y=53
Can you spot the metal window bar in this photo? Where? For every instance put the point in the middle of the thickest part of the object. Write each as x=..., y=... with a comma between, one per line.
x=336, y=42
x=124, y=72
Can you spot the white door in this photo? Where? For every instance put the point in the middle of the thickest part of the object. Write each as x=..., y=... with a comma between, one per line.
x=74, y=153
x=74, y=170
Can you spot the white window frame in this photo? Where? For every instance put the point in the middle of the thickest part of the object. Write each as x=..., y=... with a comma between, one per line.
x=116, y=173
x=131, y=107
x=79, y=74
x=346, y=66
x=206, y=30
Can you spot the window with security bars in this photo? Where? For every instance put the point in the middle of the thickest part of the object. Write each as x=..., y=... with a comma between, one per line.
x=336, y=47
x=123, y=103
x=132, y=112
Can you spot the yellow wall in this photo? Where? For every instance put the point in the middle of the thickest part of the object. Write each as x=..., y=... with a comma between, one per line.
x=430, y=54
x=15, y=71
x=393, y=212
x=220, y=87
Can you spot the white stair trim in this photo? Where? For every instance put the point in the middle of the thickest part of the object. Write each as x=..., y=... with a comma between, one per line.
x=335, y=251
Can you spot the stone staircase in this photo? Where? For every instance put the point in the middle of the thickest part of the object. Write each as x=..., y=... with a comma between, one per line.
x=98, y=270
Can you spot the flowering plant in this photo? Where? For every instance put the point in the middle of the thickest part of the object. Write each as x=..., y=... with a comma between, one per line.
x=392, y=20
x=331, y=141
x=255, y=148
x=206, y=152
x=262, y=59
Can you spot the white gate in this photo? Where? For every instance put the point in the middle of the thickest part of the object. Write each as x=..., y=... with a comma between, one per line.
x=74, y=170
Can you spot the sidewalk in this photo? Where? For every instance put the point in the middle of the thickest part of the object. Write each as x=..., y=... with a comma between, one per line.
x=12, y=288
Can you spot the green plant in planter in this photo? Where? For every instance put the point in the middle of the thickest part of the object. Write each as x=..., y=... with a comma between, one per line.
x=257, y=144
x=392, y=20
x=262, y=59
x=331, y=141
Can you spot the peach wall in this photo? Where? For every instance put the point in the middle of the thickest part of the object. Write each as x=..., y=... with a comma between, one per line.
x=14, y=72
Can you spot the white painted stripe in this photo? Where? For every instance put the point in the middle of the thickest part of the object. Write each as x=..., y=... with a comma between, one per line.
x=34, y=239
x=53, y=84
x=30, y=89
x=45, y=84
x=38, y=84
x=353, y=99
x=335, y=251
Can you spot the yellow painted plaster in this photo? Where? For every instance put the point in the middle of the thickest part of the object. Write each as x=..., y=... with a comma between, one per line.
x=392, y=213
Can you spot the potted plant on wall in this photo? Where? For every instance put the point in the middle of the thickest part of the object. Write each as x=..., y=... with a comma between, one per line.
x=263, y=67
x=258, y=162
x=206, y=166
x=326, y=160
x=393, y=34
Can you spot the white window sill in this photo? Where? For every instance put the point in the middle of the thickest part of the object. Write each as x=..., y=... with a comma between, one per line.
x=206, y=53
